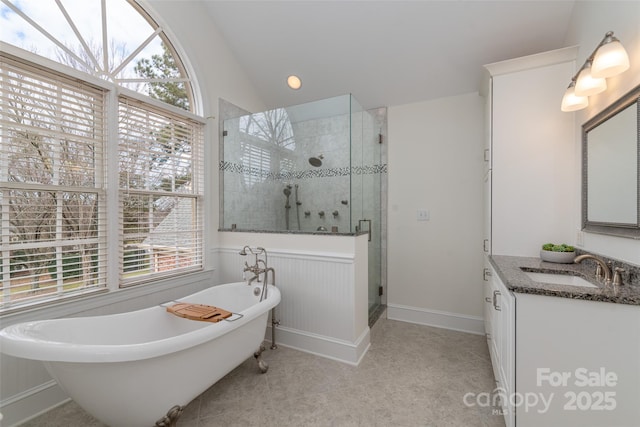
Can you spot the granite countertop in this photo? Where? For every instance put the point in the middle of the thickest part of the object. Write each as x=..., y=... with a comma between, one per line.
x=511, y=270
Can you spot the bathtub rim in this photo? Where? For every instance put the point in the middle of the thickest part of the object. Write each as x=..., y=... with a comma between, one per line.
x=15, y=339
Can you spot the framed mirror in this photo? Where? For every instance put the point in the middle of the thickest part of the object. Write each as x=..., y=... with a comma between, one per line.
x=610, y=169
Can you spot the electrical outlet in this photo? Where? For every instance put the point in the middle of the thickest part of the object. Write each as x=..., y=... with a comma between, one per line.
x=423, y=215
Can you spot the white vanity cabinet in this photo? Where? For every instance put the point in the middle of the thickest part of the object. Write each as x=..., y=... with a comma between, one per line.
x=500, y=318
x=559, y=362
x=563, y=361
x=581, y=357
x=530, y=166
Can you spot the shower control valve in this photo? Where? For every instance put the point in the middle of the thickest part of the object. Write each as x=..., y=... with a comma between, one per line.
x=335, y=213
x=321, y=213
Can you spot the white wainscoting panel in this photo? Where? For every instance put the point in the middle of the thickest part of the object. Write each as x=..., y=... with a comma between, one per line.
x=317, y=310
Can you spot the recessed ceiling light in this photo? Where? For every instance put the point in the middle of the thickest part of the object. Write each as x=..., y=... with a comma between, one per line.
x=294, y=82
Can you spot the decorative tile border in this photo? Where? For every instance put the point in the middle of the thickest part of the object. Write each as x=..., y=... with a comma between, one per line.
x=305, y=174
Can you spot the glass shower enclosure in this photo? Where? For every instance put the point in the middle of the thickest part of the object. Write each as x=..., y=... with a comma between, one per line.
x=309, y=168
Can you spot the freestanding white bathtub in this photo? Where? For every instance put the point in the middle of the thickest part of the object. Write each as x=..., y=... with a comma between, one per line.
x=130, y=369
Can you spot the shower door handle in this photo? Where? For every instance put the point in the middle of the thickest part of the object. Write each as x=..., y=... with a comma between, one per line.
x=360, y=221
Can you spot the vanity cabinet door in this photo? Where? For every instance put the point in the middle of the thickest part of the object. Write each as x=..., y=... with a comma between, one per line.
x=581, y=359
x=506, y=303
x=487, y=301
x=502, y=343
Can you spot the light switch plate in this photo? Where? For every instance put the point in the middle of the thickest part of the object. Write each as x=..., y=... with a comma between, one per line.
x=423, y=215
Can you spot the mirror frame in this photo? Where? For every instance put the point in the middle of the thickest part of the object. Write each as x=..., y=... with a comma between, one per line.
x=614, y=229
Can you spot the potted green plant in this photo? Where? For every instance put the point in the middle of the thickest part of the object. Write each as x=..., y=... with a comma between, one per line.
x=561, y=254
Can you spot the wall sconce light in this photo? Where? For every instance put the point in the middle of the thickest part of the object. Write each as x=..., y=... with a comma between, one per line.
x=607, y=60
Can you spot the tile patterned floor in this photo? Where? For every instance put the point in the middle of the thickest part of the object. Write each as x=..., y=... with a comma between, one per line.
x=413, y=375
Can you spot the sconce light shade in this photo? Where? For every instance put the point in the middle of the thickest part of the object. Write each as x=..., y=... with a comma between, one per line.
x=571, y=101
x=607, y=60
x=610, y=60
x=587, y=85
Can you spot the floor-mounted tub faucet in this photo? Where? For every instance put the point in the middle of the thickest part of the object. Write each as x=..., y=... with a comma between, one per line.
x=257, y=270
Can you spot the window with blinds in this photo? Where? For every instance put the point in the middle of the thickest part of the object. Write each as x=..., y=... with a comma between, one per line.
x=52, y=201
x=160, y=170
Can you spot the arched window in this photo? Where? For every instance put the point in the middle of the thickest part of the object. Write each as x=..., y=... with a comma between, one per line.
x=77, y=80
x=115, y=40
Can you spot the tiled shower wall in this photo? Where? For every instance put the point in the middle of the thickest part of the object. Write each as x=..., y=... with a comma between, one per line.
x=322, y=189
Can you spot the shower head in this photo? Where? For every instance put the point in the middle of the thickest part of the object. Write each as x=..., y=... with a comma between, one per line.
x=287, y=191
x=316, y=161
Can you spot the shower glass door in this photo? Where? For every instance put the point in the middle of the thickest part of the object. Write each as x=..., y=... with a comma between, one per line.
x=365, y=192
x=314, y=167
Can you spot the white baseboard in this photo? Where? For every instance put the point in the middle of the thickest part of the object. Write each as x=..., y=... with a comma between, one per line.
x=31, y=403
x=331, y=348
x=439, y=319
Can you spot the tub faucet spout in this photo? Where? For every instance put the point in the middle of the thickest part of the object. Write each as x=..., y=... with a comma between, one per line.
x=603, y=265
x=255, y=276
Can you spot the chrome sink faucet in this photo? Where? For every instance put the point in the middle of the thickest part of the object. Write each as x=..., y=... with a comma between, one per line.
x=603, y=265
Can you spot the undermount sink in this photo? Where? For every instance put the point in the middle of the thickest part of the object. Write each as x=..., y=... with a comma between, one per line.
x=559, y=279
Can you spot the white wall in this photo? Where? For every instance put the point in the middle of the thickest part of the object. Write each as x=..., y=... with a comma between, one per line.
x=590, y=21
x=436, y=163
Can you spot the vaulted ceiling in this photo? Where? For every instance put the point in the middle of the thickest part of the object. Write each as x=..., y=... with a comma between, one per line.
x=383, y=52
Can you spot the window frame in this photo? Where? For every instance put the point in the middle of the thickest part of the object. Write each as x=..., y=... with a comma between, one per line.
x=110, y=187
x=197, y=183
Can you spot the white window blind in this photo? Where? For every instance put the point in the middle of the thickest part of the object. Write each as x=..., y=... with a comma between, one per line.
x=52, y=203
x=161, y=182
